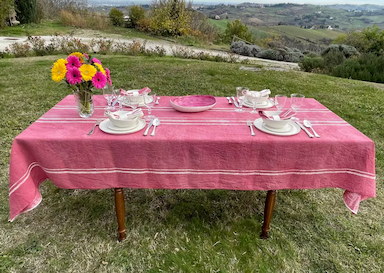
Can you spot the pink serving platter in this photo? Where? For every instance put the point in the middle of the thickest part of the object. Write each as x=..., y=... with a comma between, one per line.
x=193, y=103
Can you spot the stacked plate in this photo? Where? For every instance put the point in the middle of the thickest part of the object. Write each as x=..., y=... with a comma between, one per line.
x=288, y=130
x=141, y=98
x=263, y=105
x=107, y=127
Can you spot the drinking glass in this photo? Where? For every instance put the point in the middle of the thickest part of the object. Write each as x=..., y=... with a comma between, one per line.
x=296, y=101
x=240, y=98
x=255, y=98
x=280, y=101
x=109, y=94
x=134, y=101
x=149, y=101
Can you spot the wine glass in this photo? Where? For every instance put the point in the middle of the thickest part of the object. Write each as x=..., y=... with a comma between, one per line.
x=134, y=101
x=149, y=101
x=280, y=101
x=296, y=101
x=109, y=94
x=255, y=98
x=240, y=95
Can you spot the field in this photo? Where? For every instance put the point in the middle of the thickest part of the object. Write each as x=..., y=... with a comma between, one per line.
x=189, y=230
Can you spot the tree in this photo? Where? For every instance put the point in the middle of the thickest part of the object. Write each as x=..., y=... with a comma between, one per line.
x=116, y=16
x=26, y=11
x=5, y=7
x=238, y=29
x=136, y=13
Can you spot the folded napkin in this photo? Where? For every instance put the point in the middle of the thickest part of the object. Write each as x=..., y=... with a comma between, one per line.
x=143, y=91
x=259, y=93
x=284, y=115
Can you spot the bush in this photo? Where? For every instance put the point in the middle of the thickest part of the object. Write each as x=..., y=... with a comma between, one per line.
x=244, y=49
x=116, y=16
x=346, y=50
x=83, y=19
x=5, y=7
x=136, y=14
x=312, y=64
x=26, y=11
x=238, y=29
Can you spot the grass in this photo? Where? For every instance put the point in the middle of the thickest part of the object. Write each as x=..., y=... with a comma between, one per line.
x=189, y=230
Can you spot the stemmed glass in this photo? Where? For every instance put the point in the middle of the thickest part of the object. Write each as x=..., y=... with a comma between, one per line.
x=240, y=95
x=149, y=101
x=255, y=98
x=109, y=94
x=280, y=101
x=296, y=101
x=133, y=101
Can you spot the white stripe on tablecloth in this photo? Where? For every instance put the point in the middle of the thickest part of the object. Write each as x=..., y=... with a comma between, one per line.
x=22, y=180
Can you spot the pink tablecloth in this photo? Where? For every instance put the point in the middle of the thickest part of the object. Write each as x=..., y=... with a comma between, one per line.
x=206, y=150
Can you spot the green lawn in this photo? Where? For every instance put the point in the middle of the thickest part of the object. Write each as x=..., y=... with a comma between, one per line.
x=189, y=230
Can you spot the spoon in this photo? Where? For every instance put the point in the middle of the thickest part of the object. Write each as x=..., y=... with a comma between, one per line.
x=249, y=123
x=308, y=124
x=156, y=122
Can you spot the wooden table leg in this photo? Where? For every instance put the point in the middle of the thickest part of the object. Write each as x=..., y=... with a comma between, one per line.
x=268, y=211
x=120, y=212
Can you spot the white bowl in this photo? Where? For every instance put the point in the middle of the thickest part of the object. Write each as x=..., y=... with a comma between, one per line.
x=125, y=120
x=276, y=124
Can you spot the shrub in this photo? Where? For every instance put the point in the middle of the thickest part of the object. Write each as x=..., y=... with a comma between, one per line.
x=244, y=49
x=238, y=29
x=83, y=19
x=19, y=49
x=26, y=11
x=101, y=46
x=144, y=25
x=5, y=7
x=312, y=64
x=346, y=50
x=116, y=16
x=39, y=47
x=136, y=14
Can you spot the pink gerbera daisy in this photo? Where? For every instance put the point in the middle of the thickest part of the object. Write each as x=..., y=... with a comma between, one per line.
x=85, y=55
x=108, y=74
x=99, y=80
x=73, y=75
x=94, y=60
x=73, y=61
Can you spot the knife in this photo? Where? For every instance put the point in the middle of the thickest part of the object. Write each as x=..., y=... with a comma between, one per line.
x=304, y=129
x=235, y=102
x=149, y=126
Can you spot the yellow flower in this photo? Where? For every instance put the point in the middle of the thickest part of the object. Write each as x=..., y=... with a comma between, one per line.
x=87, y=71
x=79, y=55
x=100, y=67
x=63, y=61
x=58, y=71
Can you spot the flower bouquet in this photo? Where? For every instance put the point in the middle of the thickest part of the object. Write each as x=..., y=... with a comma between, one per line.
x=81, y=73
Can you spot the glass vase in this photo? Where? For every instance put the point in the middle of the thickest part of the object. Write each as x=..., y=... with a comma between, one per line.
x=84, y=103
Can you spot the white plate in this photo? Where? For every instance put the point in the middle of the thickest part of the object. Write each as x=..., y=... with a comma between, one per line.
x=105, y=127
x=267, y=104
x=259, y=124
x=287, y=128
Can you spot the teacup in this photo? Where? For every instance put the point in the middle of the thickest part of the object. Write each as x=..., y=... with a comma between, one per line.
x=275, y=124
x=124, y=119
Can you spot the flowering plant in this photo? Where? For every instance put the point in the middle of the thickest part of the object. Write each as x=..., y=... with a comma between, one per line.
x=82, y=73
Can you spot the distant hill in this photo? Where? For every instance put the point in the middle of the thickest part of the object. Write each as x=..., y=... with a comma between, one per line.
x=343, y=17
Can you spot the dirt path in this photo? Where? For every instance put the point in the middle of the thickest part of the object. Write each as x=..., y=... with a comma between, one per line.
x=86, y=37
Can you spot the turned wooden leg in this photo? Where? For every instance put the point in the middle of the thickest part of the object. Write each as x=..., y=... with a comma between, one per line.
x=268, y=211
x=120, y=212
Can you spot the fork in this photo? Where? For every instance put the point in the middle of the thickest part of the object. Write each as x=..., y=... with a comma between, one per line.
x=249, y=123
x=94, y=126
x=229, y=100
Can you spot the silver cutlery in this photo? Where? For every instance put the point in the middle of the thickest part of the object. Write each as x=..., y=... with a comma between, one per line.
x=235, y=102
x=157, y=101
x=94, y=126
x=308, y=124
x=249, y=123
x=296, y=120
x=229, y=100
x=156, y=122
x=149, y=126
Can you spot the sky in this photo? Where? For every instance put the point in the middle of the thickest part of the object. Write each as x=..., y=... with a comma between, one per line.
x=316, y=2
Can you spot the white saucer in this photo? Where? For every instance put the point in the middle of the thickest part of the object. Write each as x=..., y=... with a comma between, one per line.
x=264, y=105
x=111, y=126
x=294, y=129
x=106, y=127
